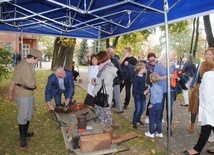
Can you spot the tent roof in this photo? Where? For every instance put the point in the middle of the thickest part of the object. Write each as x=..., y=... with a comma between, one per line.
x=94, y=19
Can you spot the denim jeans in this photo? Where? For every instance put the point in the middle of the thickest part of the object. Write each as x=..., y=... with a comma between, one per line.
x=140, y=106
x=172, y=98
x=154, y=118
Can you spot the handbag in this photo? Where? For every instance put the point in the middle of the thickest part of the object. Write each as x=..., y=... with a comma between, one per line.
x=101, y=99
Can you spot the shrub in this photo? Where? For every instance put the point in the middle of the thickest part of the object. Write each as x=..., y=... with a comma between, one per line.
x=5, y=63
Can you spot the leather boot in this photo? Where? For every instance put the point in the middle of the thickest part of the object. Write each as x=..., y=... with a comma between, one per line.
x=191, y=127
x=23, y=142
x=28, y=134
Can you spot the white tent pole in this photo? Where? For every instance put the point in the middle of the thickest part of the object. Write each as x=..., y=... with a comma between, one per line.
x=166, y=9
x=22, y=52
x=99, y=36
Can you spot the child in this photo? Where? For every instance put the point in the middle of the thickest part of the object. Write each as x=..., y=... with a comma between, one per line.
x=156, y=97
x=139, y=92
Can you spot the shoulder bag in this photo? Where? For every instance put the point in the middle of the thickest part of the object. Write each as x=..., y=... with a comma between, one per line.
x=101, y=99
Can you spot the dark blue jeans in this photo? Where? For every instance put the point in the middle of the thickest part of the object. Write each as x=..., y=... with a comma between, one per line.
x=154, y=118
x=172, y=98
x=128, y=84
x=140, y=106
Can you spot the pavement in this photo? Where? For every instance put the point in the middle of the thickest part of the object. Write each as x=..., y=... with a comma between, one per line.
x=180, y=140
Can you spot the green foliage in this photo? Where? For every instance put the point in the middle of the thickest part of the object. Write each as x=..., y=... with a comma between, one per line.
x=47, y=41
x=67, y=42
x=177, y=27
x=134, y=40
x=180, y=35
x=5, y=63
x=83, y=51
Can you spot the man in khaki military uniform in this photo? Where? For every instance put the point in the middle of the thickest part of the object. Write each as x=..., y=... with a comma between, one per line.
x=22, y=88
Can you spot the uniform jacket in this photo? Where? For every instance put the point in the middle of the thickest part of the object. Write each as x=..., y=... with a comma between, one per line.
x=52, y=86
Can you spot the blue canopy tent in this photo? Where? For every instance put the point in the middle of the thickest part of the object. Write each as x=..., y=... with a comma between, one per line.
x=98, y=19
x=95, y=19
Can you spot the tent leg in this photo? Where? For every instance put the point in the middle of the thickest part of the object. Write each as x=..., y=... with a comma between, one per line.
x=166, y=9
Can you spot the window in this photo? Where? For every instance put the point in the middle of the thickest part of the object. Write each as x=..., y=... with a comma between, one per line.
x=26, y=49
x=8, y=46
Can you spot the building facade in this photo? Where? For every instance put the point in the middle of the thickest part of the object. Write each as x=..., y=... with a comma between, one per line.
x=13, y=41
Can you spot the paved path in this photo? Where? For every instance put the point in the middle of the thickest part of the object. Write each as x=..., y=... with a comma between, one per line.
x=180, y=140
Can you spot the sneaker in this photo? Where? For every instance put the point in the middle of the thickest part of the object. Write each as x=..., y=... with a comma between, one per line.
x=148, y=134
x=147, y=120
x=160, y=135
x=141, y=123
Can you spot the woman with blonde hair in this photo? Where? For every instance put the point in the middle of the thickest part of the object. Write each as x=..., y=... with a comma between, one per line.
x=161, y=70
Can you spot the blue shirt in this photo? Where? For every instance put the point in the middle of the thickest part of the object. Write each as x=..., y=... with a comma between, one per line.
x=156, y=94
x=162, y=71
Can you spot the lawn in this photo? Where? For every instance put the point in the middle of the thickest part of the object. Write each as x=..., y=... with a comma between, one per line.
x=48, y=139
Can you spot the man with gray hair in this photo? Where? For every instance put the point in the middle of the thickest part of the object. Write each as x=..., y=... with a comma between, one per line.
x=117, y=81
x=59, y=82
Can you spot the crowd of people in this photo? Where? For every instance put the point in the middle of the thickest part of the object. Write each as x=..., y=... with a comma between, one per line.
x=142, y=79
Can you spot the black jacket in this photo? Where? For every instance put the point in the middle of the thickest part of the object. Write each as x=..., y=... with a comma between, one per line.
x=119, y=77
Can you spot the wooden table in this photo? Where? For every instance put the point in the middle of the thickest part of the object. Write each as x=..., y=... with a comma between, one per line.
x=71, y=118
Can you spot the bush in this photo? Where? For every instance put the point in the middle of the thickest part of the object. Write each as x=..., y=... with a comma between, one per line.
x=5, y=63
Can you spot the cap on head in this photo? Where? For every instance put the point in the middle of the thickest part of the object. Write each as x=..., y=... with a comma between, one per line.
x=36, y=53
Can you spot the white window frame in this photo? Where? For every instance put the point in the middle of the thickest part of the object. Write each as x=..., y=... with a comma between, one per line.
x=26, y=49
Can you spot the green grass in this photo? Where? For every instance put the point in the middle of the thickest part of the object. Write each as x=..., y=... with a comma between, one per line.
x=47, y=139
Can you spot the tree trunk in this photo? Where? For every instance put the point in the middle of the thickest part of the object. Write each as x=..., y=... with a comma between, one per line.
x=107, y=43
x=193, y=34
x=62, y=55
x=69, y=57
x=196, y=37
x=116, y=41
x=55, y=52
x=208, y=31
